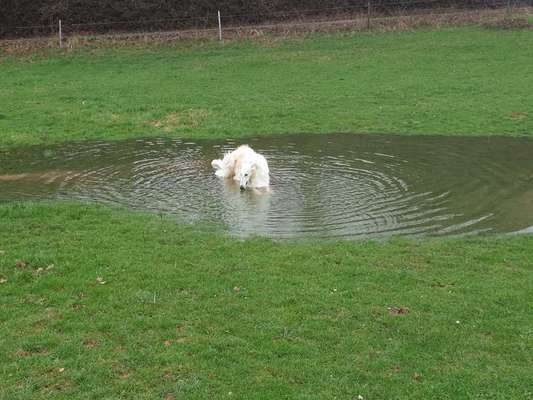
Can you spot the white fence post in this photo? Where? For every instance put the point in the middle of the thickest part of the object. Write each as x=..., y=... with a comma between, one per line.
x=219, y=27
x=368, y=15
x=60, y=35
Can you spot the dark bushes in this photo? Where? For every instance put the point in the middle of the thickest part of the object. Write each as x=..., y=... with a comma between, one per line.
x=20, y=18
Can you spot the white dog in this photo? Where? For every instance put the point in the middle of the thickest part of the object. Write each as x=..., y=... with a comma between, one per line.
x=245, y=166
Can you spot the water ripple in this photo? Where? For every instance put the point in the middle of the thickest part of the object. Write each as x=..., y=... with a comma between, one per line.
x=326, y=186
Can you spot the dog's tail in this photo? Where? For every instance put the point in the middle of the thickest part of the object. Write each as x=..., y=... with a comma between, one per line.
x=217, y=164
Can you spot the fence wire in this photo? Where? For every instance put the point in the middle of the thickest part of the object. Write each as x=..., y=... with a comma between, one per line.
x=365, y=10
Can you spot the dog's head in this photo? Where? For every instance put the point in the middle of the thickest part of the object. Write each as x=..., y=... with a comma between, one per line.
x=245, y=173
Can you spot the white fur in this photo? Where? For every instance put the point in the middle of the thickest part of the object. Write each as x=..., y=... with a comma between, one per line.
x=245, y=166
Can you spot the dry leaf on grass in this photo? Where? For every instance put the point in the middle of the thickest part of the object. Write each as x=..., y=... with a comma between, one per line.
x=398, y=310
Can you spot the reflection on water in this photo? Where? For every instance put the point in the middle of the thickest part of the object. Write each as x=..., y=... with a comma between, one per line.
x=328, y=186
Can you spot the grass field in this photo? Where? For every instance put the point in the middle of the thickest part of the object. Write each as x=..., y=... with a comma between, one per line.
x=108, y=304
x=458, y=81
x=98, y=303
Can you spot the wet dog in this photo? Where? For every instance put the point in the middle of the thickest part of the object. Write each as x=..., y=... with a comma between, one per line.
x=245, y=166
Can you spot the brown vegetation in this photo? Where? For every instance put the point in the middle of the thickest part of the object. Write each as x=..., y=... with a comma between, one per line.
x=271, y=31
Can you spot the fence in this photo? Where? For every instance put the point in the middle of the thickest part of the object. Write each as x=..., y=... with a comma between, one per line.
x=366, y=15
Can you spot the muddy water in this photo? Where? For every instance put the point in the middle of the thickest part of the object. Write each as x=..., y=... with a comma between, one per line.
x=327, y=186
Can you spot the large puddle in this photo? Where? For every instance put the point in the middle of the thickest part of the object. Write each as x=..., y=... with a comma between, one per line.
x=328, y=186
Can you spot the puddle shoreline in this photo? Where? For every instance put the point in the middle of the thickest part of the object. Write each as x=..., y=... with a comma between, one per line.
x=322, y=186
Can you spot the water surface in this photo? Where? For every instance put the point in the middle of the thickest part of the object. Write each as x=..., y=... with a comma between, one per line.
x=327, y=186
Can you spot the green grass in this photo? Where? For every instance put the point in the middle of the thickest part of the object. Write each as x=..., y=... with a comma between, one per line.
x=191, y=314
x=107, y=304
x=457, y=81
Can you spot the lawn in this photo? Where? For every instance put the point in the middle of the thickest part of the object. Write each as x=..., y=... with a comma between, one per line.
x=104, y=303
x=456, y=81
x=101, y=303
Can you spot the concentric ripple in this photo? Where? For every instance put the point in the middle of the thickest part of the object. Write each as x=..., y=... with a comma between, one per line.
x=325, y=186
